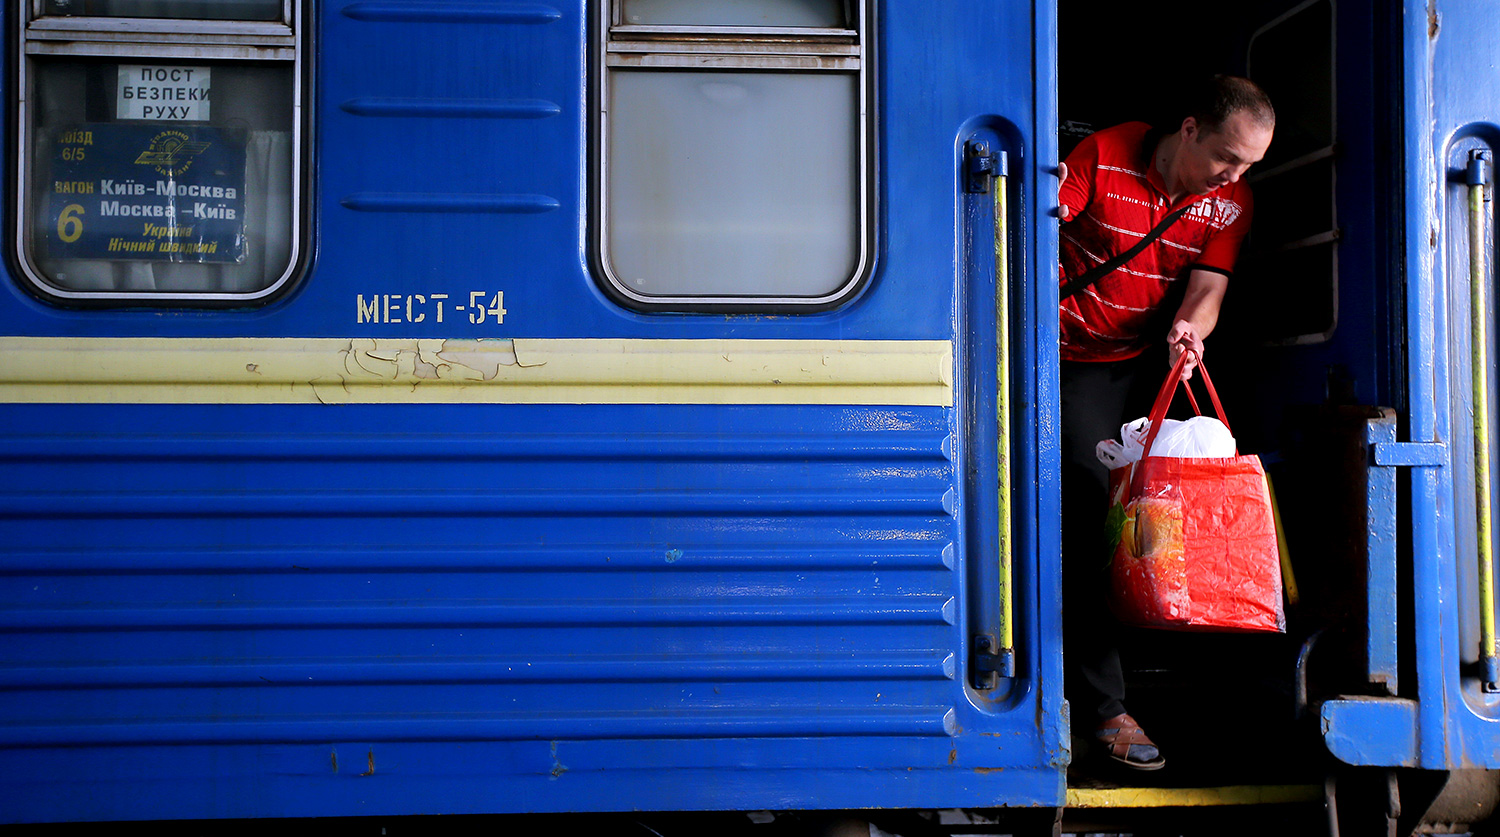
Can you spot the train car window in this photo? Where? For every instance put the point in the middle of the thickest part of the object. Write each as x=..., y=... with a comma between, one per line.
x=160, y=150
x=734, y=161
x=182, y=9
x=815, y=13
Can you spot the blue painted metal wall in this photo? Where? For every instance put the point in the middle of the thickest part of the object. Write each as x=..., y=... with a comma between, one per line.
x=1457, y=720
x=1445, y=720
x=284, y=610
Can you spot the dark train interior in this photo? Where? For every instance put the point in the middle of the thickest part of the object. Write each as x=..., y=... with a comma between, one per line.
x=1306, y=344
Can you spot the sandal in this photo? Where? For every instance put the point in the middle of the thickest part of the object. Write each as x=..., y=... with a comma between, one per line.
x=1125, y=743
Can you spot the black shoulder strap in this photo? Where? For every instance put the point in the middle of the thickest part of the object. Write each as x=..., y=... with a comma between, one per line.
x=1073, y=286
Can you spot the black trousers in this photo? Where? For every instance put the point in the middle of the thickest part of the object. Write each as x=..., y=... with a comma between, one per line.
x=1096, y=398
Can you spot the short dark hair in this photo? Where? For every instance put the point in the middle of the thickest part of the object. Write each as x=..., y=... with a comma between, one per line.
x=1214, y=99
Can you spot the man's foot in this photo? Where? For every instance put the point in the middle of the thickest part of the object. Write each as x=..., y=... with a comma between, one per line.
x=1124, y=742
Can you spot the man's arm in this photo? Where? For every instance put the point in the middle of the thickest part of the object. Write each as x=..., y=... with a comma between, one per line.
x=1196, y=317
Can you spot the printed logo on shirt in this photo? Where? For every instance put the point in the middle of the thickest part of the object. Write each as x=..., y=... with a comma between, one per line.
x=1216, y=212
x=1128, y=199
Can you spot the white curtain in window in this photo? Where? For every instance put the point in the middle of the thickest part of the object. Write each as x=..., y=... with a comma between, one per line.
x=734, y=183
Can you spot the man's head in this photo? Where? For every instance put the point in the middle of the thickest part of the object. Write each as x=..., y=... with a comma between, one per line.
x=1228, y=127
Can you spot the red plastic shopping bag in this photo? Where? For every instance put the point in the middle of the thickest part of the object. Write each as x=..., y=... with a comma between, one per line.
x=1195, y=538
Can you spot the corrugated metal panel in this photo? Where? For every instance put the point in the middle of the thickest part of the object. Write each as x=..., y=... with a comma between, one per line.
x=552, y=582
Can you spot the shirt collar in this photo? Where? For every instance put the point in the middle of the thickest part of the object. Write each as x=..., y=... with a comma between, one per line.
x=1154, y=176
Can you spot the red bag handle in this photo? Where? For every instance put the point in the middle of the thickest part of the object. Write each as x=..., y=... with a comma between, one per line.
x=1164, y=400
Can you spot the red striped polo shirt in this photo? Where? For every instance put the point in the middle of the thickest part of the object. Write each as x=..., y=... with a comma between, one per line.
x=1114, y=196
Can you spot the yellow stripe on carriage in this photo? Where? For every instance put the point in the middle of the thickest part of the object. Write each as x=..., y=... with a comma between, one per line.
x=277, y=370
x=1135, y=797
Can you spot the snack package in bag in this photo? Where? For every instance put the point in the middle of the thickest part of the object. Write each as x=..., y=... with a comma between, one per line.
x=1194, y=538
x=1148, y=572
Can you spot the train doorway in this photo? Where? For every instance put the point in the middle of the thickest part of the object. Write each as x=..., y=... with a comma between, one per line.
x=1305, y=347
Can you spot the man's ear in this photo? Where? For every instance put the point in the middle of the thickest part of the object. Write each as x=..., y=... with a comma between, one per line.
x=1189, y=128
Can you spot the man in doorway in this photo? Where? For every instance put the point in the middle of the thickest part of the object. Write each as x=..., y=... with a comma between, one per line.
x=1118, y=185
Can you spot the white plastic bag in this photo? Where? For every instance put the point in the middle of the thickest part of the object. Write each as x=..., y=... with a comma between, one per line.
x=1112, y=454
x=1199, y=436
x=1133, y=438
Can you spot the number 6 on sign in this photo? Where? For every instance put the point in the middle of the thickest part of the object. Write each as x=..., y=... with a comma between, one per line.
x=69, y=224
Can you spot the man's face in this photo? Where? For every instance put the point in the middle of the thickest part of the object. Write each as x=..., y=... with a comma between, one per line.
x=1210, y=159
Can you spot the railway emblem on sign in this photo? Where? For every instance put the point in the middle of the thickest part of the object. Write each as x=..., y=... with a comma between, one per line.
x=171, y=153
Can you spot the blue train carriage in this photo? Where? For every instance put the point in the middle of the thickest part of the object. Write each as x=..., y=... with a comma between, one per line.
x=500, y=407
x=488, y=407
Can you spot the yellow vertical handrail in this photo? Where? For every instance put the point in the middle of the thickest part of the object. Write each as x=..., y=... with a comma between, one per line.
x=1479, y=308
x=1002, y=425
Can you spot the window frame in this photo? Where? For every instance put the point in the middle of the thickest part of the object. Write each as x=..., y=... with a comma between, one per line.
x=666, y=47
x=125, y=39
x=1329, y=238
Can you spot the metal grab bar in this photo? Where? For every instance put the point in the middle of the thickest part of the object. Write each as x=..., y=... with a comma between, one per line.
x=994, y=655
x=1478, y=182
x=1007, y=654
